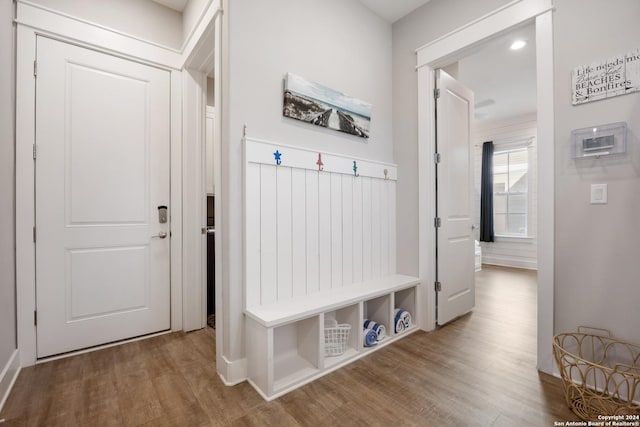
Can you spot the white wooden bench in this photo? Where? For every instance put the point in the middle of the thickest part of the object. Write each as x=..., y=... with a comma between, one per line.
x=285, y=341
x=319, y=239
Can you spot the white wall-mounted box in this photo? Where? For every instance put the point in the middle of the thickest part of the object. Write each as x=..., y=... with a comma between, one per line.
x=602, y=140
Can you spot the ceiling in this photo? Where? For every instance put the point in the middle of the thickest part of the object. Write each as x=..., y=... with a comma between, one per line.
x=177, y=5
x=392, y=10
x=389, y=10
x=503, y=80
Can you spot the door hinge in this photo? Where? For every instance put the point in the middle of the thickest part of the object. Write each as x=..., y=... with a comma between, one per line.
x=436, y=93
x=438, y=286
x=436, y=157
x=34, y=151
x=35, y=317
x=34, y=234
x=35, y=68
x=437, y=222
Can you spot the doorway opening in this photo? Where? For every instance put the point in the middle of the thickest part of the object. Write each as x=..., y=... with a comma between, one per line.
x=210, y=189
x=505, y=114
x=504, y=127
x=444, y=51
x=202, y=198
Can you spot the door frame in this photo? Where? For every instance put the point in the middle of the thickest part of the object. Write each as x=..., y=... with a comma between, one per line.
x=442, y=51
x=33, y=21
x=198, y=66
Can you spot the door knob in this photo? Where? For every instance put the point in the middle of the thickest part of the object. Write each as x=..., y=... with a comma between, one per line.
x=160, y=235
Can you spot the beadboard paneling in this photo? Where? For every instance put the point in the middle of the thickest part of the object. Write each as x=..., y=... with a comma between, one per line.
x=309, y=231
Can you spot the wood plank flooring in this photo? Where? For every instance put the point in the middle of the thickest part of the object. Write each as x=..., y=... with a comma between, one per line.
x=477, y=371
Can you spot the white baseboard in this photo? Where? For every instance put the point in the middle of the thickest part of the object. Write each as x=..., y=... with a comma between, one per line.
x=510, y=262
x=232, y=372
x=8, y=377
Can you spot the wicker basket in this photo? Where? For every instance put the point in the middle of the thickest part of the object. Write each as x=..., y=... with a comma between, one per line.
x=600, y=374
x=335, y=339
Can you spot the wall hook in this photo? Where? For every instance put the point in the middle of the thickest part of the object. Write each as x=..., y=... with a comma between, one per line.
x=244, y=130
x=386, y=174
x=355, y=169
x=319, y=163
x=277, y=156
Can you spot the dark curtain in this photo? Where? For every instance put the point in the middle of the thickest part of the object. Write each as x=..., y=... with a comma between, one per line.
x=486, y=194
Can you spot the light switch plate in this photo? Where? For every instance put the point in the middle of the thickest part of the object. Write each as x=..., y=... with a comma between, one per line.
x=598, y=194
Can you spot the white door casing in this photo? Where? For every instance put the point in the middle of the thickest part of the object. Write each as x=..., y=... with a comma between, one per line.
x=102, y=170
x=454, y=46
x=455, y=246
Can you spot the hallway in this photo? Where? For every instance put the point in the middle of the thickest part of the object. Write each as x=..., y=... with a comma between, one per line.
x=477, y=371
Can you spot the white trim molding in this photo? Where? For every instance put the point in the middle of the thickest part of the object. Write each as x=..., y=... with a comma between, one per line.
x=177, y=302
x=25, y=209
x=546, y=190
x=454, y=46
x=232, y=372
x=507, y=261
x=460, y=42
x=90, y=34
x=8, y=377
x=47, y=21
x=211, y=12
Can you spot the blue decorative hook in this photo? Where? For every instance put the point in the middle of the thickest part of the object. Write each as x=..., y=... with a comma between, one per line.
x=277, y=155
x=355, y=169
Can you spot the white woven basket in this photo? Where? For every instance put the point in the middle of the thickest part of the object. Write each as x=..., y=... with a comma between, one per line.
x=335, y=339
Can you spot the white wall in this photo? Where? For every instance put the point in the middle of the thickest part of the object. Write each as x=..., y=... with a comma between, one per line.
x=7, y=185
x=160, y=24
x=508, y=251
x=597, y=257
x=435, y=19
x=338, y=43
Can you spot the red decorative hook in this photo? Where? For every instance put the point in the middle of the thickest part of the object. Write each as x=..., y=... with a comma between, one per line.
x=319, y=163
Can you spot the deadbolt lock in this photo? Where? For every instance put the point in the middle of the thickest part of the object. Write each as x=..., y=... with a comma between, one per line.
x=162, y=214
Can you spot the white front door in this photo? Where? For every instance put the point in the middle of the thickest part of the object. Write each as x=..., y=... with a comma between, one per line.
x=102, y=171
x=454, y=173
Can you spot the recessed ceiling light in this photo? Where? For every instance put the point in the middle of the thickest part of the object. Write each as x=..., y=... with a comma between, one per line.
x=518, y=44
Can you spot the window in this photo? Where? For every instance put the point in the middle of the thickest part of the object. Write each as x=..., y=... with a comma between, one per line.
x=510, y=192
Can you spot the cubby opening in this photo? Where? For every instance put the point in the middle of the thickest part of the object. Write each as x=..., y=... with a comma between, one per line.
x=378, y=310
x=347, y=315
x=296, y=352
x=405, y=300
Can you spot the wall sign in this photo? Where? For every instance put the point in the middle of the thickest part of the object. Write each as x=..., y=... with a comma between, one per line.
x=605, y=79
x=313, y=103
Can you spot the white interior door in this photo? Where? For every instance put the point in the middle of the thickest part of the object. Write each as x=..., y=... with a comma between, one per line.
x=102, y=171
x=455, y=242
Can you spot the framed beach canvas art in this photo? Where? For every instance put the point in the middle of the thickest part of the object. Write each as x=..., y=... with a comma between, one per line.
x=323, y=106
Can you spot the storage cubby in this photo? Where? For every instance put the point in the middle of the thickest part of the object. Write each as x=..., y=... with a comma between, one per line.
x=405, y=300
x=285, y=341
x=378, y=310
x=296, y=352
x=350, y=315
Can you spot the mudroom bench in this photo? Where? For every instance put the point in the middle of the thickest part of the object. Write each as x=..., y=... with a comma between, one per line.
x=285, y=342
x=319, y=259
